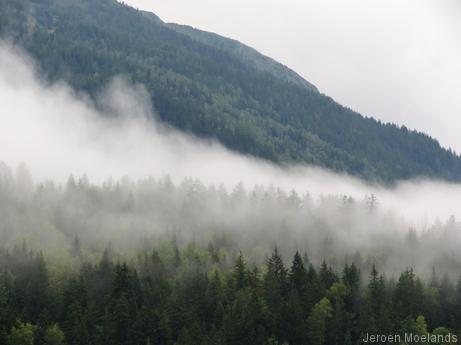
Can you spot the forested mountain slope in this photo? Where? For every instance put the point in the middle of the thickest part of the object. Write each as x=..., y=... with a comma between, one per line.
x=245, y=54
x=215, y=87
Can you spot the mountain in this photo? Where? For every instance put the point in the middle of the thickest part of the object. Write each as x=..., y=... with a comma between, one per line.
x=246, y=54
x=217, y=88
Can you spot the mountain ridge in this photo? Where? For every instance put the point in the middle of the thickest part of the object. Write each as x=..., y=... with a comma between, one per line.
x=236, y=48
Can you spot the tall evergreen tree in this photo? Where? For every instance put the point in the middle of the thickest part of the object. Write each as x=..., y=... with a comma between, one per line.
x=317, y=322
x=298, y=275
x=240, y=273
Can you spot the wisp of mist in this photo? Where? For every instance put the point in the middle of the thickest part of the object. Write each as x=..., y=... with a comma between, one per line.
x=57, y=132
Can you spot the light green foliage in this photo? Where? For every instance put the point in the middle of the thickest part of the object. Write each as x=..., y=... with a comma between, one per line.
x=54, y=336
x=421, y=325
x=445, y=334
x=317, y=321
x=337, y=291
x=23, y=334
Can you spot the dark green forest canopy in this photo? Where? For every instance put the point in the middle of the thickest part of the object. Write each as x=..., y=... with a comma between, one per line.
x=191, y=297
x=216, y=87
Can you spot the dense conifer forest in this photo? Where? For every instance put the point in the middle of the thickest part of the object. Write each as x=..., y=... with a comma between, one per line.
x=154, y=262
x=171, y=295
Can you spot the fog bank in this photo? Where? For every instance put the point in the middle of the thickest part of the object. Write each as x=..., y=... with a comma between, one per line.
x=57, y=132
x=136, y=178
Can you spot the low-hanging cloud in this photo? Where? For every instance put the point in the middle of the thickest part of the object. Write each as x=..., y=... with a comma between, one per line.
x=57, y=132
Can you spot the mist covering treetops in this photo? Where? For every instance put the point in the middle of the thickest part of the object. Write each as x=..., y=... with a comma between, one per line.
x=218, y=88
x=134, y=216
x=153, y=262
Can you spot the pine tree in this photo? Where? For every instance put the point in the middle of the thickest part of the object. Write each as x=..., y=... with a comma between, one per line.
x=327, y=275
x=298, y=275
x=37, y=294
x=76, y=324
x=408, y=296
x=277, y=275
x=293, y=320
x=337, y=293
x=276, y=292
x=314, y=290
x=240, y=273
x=376, y=314
x=352, y=305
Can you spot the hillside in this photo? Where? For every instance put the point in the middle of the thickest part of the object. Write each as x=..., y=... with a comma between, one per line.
x=216, y=87
x=245, y=54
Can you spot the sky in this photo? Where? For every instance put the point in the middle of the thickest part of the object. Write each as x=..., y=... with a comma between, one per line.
x=398, y=61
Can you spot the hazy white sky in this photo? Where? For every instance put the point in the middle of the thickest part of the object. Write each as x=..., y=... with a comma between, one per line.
x=396, y=60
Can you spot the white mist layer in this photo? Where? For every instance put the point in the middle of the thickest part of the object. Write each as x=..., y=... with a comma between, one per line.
x=57, y=132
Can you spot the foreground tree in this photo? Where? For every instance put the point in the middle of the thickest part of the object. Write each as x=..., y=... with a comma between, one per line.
x=317, y=321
